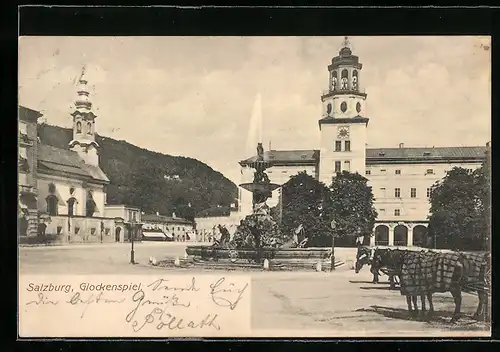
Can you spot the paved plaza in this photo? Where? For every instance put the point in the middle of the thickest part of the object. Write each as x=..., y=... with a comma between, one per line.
x=332, y=304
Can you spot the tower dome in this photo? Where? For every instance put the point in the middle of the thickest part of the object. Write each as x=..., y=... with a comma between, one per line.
x=83, y=101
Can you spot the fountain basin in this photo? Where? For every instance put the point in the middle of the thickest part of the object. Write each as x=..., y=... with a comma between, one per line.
x=259, y=187
x=209, y=252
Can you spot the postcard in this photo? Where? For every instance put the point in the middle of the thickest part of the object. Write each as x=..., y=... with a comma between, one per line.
x=254, y=186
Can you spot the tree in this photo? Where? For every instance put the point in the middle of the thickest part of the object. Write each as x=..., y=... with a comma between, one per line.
x=352, y=207
x=305, y=201
x=460, y=215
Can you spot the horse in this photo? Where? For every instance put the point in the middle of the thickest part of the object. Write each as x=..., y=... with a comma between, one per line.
x=395, y=259
x=426, y=272
x=364, y=257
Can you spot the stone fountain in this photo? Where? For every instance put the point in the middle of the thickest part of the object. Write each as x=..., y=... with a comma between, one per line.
x=258, y=236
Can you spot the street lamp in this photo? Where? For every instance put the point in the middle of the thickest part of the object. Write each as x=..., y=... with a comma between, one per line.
x=333, y=225
x=132, y=235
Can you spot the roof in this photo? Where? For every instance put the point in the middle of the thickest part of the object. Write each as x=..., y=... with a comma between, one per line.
x=164, y=219
x=440, y=154
x=133, y=207
x=52, y=159
x=27, y=114
x=308, y=156
x=374, y=155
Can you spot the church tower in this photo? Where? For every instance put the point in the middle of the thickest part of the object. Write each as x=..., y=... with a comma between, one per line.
x=343, y=124
x=83, y=141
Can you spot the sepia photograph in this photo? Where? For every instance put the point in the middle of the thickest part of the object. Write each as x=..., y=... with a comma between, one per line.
x=316, y=186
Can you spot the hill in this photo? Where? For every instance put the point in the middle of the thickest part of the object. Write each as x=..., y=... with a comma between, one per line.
x=151, y=180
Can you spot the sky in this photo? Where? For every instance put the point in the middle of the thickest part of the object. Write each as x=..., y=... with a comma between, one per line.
x=195, y=96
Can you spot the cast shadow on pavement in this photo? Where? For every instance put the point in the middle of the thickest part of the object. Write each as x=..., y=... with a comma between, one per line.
x=438, y=317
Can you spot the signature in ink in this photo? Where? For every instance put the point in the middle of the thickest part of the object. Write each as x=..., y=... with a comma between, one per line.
x=162, y=318
x=226, y=294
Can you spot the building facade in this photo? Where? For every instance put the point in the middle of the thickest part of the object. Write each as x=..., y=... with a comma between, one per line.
x=400, y=177
x=27, y=171
x=128, y=221
x=175, y=228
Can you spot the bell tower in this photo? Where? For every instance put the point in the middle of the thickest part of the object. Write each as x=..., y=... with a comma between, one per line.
x=343, y=124
x=83, y=141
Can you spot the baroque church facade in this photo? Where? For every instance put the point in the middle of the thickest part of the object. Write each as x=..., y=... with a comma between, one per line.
x=65, y=189
x=400, y=177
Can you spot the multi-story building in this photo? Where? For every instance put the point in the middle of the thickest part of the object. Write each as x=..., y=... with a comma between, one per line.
x=400, y=178
x=27, y=171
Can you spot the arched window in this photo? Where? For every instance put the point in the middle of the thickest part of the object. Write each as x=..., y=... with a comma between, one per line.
x=90, y=205
x=345, y=75
x=334, y=80
x=52, y=205
x=71, y=206
x=355, y=80
x=78, y=127
x=89, y=128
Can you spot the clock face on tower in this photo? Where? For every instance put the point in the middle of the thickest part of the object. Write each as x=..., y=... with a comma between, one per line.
x=343, y=132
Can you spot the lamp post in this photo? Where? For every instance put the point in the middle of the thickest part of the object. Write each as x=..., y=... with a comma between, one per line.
x=132, y=235
x=333, y=225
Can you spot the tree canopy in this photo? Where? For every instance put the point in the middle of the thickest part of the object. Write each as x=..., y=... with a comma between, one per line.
x=460, y=211
x=306, y=201
x=352, y=206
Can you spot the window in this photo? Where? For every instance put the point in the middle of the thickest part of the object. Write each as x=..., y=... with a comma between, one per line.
x=397, y=172
x=71, y=206
x=347, y=165
x=23, y=179
x=381, y=211
x=383, y=170
x=428, y=192
x=78, y=127
x=397, y=192
x=344, y=75
x=382, y=192
x=338, y=146
x=23, y=127
x=413, y=193
x=337, y=166
x=334, y=80
x=429, y=172
x=355, y=80
x=89, y=128
x=51, y=205
x=347, y=146
x=22, y=153
x=397, y=212
x=368, y=172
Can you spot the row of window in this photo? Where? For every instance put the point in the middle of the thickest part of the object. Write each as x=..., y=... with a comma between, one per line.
x=413, y=192
x=79, y=127
x=398, y=171
x=53, y=202
x=347, y=146
x=344, y=77
x=338, y=166
x=397, y=212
